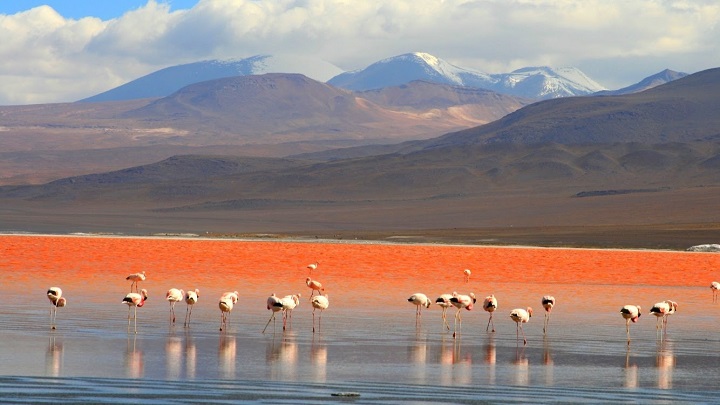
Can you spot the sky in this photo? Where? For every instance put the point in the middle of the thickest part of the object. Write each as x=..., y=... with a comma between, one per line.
x=64, y=50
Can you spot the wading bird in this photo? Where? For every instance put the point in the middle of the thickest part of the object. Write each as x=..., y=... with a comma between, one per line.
x=715, y=286
x=467, y=273
x=275, y=305
x=191, y=298
x=521, y=316
x=54, y=294
x=419, y=300
x=490, y=304
x=322, y=303
x=135, y=300
x=460, y=302
x=444, y=302
x=173, y=296
x=662, y=310
x=135, y=278
x=314, y=286
x=289, y=302
x=630, y=313
x=548, y=302
x=226, y=303
x=312, y=266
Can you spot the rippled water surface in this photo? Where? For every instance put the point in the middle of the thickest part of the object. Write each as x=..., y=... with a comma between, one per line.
x=370, y=342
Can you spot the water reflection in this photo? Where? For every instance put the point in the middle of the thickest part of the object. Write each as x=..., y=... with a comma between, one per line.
x=173, y=357
x=491, y=358
x=227, y=352
x=456, y=367
x=318, y=358
x=134, y=367
x=665, y=362
x=631, y=371
x=522, y=367
x=417, y=354
x=548, y=362
x=54, y=357
x=190, y=357
x=283, y=356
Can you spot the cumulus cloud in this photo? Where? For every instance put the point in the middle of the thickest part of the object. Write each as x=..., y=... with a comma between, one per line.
x=45, y=57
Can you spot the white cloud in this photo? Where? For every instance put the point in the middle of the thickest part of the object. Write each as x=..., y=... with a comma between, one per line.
x=47, y=58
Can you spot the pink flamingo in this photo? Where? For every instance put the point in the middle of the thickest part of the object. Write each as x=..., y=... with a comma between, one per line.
x=312, y=266
x=226, y=303
x=322, y=303
x=467, y=273
x=135, y=278
x=135, y=300
x=289, y=302
x=460, y=302
x=444, y=302
x=314, y=286
x=419, y=300
x=630, y=313
x=54, y=294
x=521, y=316
x=191, y=298
x=173, y=296
x=275, y=305
x=715, y=286
x=490, y=304
x=662, y=310
x=548, y=302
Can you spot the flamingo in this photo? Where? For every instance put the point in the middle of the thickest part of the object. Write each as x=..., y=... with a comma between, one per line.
x=630, y=313
x=314, y=286
x=191, y=298
x=715, y=286
x=662, y=310
x=467, y=273
x=54, y=294
x=135, y=300
x=548, y=302
x=460, y=302
x=444, y=302
x=312, y=266
x=289, y=302
x=174, y=296
x=227, y=301
x=419, y=300
x=521, y=316
x=135, y=277
x=490, y=304
x=275, y=305
x=322, y=303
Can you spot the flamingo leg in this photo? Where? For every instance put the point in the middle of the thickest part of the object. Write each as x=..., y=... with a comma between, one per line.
x=188, y=312
x=490, y=321
x=313, y=320
x=627, y=329
x=172, y=312
x=523, y=333
x=135, y=319
x=272, y=317
x=457, y=318
x=320, y=320
x=128, y=318
x=546, y=323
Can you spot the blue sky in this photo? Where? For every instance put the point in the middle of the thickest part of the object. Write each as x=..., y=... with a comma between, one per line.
x=75, y=9
x=53, y=54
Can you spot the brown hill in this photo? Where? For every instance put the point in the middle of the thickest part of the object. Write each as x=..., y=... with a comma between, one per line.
x=271, y=115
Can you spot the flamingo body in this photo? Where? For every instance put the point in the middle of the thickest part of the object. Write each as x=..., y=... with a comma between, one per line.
x=715, y=286
x=631, y=313
x=135, y=278
x=314, y=285
x=444, y=302
x=54, y=294
x=191, y=298
x=322, y=303
x=135, y=301
x=274, y=304
x=173, y=296
x=521, y=316
x=548, y=302
x=226, y=304
x=461, y=301
x=490, y=304
x=420, y=300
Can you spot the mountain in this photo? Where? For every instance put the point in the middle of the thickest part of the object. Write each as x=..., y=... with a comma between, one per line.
x=649, y=82
x=531, y=82
x=647, y=176
x=171, y=79
x=269, y=115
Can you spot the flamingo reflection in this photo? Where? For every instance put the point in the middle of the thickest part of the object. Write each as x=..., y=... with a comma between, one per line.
x=522, y=367
x=283, y=357
x=456, y=366
x=665, y=362
x=54, y=357
x=491, y=358
x=548, y=362
x=190, y=357
x=173, y=357
x=417, y=355
x=631, y=371
x=227, y=352
x=133, y=359
x=318, y=359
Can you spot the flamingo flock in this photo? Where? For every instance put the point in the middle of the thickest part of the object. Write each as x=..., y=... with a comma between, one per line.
x=134, y=300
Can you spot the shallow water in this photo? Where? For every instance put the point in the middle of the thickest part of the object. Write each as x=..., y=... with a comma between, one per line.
x=369, y=342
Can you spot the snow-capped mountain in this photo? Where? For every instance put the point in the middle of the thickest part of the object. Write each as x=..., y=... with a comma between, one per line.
x=647, y=83
x=531, y=82
x=166, y=81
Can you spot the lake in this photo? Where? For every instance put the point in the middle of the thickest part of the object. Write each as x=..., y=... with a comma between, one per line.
x=370, y=342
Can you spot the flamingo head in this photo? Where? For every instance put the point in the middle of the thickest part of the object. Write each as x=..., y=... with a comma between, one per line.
x=472, y=295
x=529, y=311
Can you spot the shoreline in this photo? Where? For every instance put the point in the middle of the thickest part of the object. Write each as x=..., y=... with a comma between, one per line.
x=276, y=238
